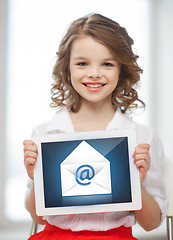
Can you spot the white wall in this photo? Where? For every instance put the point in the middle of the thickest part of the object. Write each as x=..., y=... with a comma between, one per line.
x=3, y=45
x=5, y=224
x=162, y=71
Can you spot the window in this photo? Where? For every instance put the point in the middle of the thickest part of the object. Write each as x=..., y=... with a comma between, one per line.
x=35, y=30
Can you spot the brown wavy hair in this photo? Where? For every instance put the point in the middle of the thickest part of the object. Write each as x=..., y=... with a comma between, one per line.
x=116, y=38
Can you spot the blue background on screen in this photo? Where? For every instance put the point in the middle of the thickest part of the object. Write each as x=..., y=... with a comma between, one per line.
x=113, y=149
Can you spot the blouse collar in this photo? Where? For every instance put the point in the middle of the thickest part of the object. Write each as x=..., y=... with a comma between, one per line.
x=62, y=122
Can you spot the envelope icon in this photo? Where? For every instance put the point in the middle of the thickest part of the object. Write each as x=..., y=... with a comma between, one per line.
x=85, y=172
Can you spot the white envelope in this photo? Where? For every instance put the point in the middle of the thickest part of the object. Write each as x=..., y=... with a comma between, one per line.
x=85, y=172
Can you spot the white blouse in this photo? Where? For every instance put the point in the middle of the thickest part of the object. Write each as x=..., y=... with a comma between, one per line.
x=153, y=182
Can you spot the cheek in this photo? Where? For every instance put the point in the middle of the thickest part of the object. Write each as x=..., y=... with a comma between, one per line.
x=75, y=79
x=114, y=76
x=76, y=75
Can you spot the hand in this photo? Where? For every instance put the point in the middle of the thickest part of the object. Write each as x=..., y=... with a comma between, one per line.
x=30, y=157
x=142, y=159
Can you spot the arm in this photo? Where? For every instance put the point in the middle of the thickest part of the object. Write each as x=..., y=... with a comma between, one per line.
x=30, y=157
x=150, y=214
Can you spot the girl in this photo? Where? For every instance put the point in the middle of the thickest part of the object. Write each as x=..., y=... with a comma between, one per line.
x=94, y=76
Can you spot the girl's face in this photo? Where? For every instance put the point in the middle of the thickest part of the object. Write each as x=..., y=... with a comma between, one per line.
x=94, y=71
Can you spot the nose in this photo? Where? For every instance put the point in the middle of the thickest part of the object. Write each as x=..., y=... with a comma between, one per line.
x=94, y=73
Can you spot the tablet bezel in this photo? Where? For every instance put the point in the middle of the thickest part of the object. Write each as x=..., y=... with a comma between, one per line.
x=136, y=204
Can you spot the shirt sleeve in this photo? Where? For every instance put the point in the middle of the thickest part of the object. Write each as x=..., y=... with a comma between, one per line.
x=30, y=181
x=154, y=183
x=28, y=190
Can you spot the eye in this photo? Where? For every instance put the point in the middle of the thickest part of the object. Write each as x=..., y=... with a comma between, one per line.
x=107, y=64
x=82, y=64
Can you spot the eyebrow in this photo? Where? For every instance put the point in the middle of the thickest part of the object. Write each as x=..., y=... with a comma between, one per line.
x=79, y=58
x=109, y=59
x=84, y=58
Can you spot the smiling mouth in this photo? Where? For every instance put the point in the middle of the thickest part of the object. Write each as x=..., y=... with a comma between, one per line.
x=94, y=85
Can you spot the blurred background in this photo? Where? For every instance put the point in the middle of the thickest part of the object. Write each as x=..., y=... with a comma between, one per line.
x=30, y=33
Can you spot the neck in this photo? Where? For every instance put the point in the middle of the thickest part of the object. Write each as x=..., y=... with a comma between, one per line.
x=93, y=116
x=96, y=109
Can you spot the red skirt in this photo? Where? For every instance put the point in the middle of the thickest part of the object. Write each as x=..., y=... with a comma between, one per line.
x=54, y=233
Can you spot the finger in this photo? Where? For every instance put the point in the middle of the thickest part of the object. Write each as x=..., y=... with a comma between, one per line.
x=29, y=161
x=139, y=149
x=32, y=148
x=30, y=154
x=144, y=146
x=143, y=169
x=143, y=173
x=30, y=145
x=142, y=156
x=142, y=164
x=28, y=142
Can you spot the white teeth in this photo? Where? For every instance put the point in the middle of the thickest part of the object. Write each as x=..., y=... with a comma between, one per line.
x=94, y=85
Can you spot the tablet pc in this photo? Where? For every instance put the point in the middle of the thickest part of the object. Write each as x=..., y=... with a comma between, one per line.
x=86, y=172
